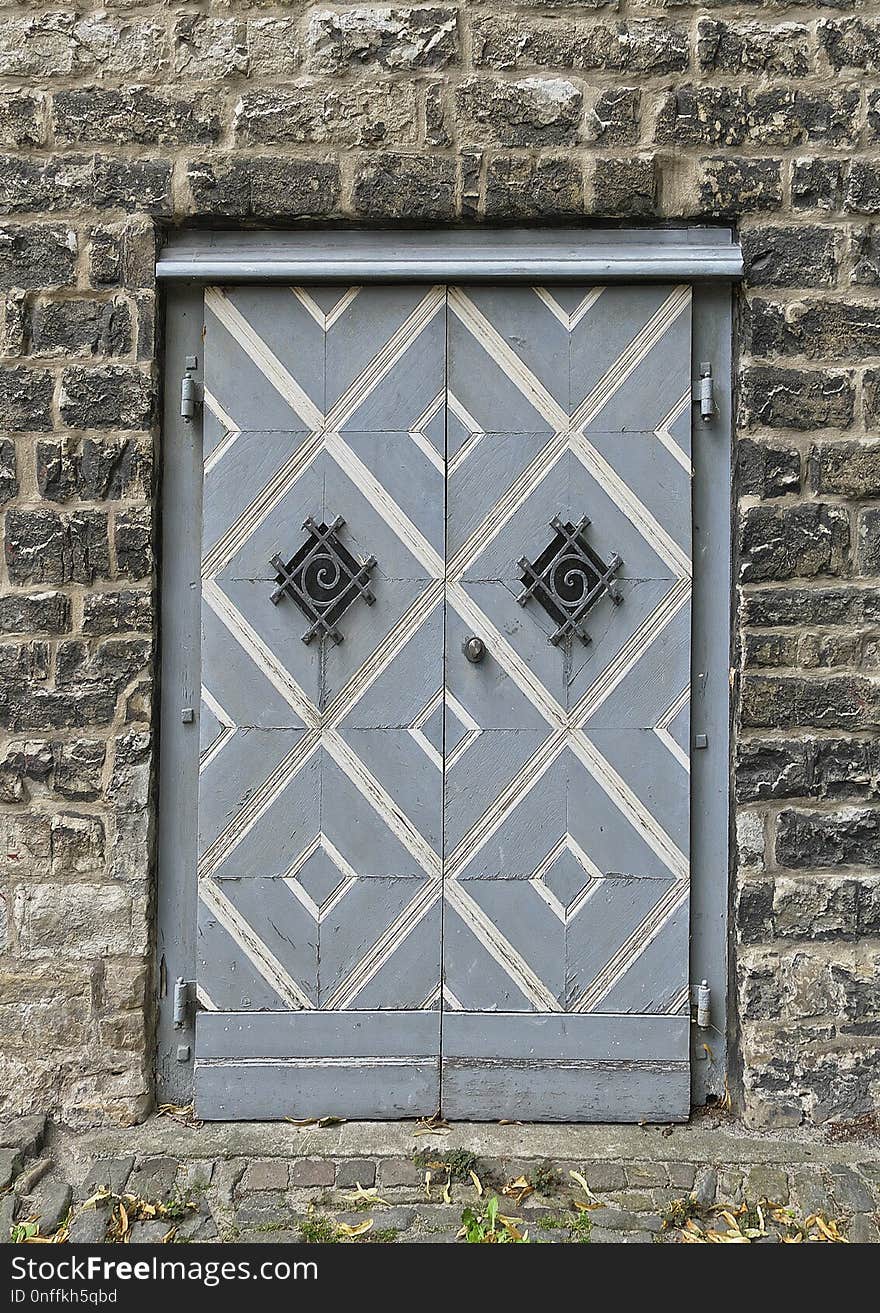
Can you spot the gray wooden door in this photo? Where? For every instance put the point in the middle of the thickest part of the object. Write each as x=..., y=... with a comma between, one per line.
x=390, y=834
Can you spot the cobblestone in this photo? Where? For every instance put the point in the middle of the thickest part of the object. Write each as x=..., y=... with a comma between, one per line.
x=226, y=1193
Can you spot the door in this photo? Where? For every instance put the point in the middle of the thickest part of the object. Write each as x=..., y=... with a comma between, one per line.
x=444, y=804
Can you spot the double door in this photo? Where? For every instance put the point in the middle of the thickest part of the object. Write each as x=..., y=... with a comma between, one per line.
x=443, y=820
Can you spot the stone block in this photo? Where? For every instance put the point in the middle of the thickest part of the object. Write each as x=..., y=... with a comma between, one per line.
x=817, y=184
x=851, y=43
x=400, y=40
x=847, y=469
x=731, y=187
x=79, y=328
x=844, y=837
x=779, y=50
x=523, y=188
x=263, y=187
x=766, y=470
x=209, y=48
x=107, y=1174
x=613, y=116
x=46, y=547
x=400, y=1172
x=106, y=397
x=405, y=186
x=135, y=116
x=785, y=542
x=154, y=1179
x=133, y=539
x=70, y=919
x=836, y=702
x=266, y=1174
x=25, y=399
x=312, y=1173
x=37, y=255
x=22, y=119
x=624, y=186
x=274, y=47
x=851, y=1192
x=351, y=1172
x=783, y=256
x=48, y=1202
x=636, y=46
x=88, y=1227
x=776, y=398
x=534, y=111
x=381, y=113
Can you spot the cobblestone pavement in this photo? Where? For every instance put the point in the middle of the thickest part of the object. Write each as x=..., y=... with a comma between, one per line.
x=401, y=1182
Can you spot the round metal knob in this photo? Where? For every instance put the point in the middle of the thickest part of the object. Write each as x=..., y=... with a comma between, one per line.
x=474, y=649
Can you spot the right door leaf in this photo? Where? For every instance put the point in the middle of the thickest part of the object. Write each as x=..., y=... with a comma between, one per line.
x=566, y=820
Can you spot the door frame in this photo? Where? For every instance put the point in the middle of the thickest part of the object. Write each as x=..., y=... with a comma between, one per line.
x=707, y=257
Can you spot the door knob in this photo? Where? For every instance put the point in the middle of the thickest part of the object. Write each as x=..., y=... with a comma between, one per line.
x=474, y=649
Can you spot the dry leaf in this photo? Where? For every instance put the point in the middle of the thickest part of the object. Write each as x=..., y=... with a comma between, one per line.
x=432, y=1126
x=360, y=1195
x=360, y=1229
x=478, y=1184
x=582, y=1182
x=518, y=1189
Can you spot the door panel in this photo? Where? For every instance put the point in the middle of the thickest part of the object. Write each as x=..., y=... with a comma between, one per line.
x=567, y=820
x=320, y=809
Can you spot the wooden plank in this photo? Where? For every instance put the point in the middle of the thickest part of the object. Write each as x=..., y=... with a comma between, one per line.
x=315, y=1035
x=554, y=1092
x=570, y=1037
x=267, y=1091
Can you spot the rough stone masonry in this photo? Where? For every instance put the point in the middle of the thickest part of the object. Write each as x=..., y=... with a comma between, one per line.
x=117, y=122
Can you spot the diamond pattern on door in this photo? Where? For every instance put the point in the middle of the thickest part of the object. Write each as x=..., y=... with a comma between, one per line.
x=389, y=832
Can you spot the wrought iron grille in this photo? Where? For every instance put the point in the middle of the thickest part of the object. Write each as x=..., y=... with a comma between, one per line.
x=568, y=578
x=323, y=578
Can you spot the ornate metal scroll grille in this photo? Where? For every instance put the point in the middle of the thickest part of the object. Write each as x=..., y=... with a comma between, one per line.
x=568, y=578
x=323, y=578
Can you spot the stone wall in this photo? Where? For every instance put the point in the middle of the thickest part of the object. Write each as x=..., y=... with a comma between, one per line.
x=117, y=122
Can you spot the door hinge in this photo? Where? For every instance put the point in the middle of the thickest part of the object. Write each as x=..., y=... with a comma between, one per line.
x=189, y=392
x=184, y=999
x=704, y=1005
x=703, y=392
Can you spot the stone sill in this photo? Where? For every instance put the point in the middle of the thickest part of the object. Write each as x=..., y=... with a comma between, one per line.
x=705, y=1140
